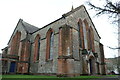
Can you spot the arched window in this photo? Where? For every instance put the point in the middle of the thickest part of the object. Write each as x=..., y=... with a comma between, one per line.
x=87, y=34
x=80, y=33
x=92, y=39
x=36, y=47
x=90, y=36
x=50, y=44
x=15, y=43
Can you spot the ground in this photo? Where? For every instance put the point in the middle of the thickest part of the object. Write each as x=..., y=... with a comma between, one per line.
x=39, y=77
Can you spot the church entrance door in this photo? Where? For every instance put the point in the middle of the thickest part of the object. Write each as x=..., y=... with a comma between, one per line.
x=90, y=61
x=92, y=64
x=12, y=67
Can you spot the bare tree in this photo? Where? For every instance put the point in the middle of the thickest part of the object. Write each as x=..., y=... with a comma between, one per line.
x=112, y=9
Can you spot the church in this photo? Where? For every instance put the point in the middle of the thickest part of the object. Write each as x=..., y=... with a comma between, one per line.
x=68, y=46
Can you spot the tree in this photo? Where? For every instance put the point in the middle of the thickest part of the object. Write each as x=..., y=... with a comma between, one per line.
x=111, y=64
x=112, y=9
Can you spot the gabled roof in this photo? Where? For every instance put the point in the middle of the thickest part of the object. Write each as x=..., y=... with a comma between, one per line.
x=28, y=27
x=32, y=29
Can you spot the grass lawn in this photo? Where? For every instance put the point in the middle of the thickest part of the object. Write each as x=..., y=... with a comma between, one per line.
x=27, y=76
x=40, y=77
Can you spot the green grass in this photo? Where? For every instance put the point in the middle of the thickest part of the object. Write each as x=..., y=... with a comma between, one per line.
x=40, y=77
x=111, y=75
x=27, y=76
x=88, y=77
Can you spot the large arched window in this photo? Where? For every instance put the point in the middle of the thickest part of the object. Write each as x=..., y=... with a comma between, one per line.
x=81, y=36
x=50, y=44
x=87, y=33
x=15, y=43
x=37, y=47
x=89, y=38
x=92, y=39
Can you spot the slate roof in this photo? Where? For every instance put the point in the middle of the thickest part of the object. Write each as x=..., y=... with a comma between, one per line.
x=28, y=27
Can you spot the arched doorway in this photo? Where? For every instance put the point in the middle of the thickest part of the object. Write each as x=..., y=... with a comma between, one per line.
x=92, y=65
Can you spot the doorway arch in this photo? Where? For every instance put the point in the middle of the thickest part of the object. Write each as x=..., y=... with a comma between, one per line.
x=91, y=65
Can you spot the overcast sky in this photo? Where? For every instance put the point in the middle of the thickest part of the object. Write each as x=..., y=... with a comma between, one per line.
x=41, y=12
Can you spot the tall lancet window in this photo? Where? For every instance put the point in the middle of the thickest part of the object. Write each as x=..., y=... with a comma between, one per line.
x=38, y=52
x=81, y=33
x=50, y=45
x=37, y=48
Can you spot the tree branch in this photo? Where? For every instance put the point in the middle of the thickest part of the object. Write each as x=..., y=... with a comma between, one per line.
x=108, y=8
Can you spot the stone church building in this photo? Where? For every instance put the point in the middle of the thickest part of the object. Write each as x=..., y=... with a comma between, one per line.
x=67, y=46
